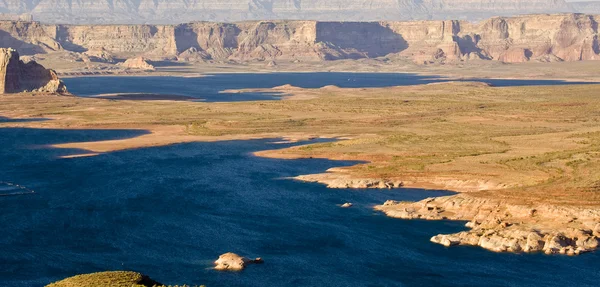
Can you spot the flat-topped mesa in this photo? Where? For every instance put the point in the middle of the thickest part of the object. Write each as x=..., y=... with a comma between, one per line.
x=542, y=38
x=17, y=76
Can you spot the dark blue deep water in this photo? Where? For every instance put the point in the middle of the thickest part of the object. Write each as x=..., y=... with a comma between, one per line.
x=170, y=211
x=210, y=88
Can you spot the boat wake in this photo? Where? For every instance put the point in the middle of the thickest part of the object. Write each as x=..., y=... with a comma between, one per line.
x=13, y=189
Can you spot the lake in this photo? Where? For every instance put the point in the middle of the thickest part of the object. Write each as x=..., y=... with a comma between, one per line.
x=170, y=211
x=210, y=87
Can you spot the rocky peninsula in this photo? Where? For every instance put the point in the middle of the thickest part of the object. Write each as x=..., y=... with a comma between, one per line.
x=503, y=227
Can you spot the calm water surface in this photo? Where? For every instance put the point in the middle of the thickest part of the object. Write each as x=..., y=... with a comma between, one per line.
x=169, y=212
x=210, y=88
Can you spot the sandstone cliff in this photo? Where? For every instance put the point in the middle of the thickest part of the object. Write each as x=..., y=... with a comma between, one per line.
x=17, y=76
x=27, y=37
x=560, y=37
x=175, y=11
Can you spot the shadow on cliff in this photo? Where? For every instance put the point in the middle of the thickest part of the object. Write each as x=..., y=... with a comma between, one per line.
x=62, y=37
x=185, y=38
x=168, y=64
x=468, y=44
x=24, y=48
x=359, y=39
x=221, y=40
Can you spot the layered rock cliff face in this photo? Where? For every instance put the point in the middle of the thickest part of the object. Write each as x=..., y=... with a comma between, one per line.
x=27, y=37
x=17, y=76
x=175, y=11
x=560, y=37
x=132, y=39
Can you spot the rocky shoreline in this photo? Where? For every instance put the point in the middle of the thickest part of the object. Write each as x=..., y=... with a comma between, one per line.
x=341, y=178
x=341, y=181
x=494, y=224
x=502, y=227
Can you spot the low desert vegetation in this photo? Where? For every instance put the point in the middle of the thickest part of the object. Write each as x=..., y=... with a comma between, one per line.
x=111, y=279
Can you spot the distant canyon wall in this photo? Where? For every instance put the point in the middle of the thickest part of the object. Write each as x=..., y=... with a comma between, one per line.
x=178, y=11
x=589, y=7
x=560, y=37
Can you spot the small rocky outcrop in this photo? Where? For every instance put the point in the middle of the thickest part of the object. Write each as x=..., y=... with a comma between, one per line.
x=139, y=63
x=233, y=262
x=100, y=55
x=364, y=183
x=192, y=55
x=515, y=55
x=17, y=76
x=501, y=227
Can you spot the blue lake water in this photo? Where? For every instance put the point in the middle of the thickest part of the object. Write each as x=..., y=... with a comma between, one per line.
x=171, y=211
x=210, y=88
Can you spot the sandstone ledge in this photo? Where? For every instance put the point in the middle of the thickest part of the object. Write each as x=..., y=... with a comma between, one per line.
x=336, y=180
x=501, y=227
